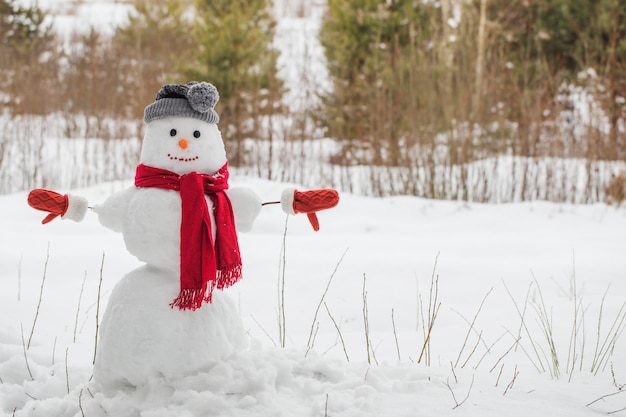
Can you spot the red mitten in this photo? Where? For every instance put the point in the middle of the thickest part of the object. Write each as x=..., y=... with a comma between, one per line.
x=309, y=202
x=50, y=201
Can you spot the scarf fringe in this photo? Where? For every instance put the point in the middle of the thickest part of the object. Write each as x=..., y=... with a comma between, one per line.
x=192, y=298
x=228, y=275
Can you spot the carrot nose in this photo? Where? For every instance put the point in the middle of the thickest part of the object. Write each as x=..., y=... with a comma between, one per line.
x=183, y=143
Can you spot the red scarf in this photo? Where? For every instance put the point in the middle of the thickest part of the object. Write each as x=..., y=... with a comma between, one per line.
x=204, y=264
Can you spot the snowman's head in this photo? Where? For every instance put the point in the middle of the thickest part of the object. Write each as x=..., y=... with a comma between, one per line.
x=183, y=145
x=181, y=130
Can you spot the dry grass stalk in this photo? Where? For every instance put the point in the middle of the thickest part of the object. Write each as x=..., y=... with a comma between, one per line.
x=433, y=310
x=538, y=363
x=25, y=355
x=508, y=387
x=545, y=319
x=282, y=322
x=95, y=347
x=456, y=402
x=43, y=281
x=80, y=297
x=343, y=343
x=471, y=328
x=311, y=341
x=67, y=372
x=366, y=323
x=395, y=334
x=604, y=351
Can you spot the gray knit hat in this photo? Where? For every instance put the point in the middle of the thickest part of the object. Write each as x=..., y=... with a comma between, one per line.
x=184, y=100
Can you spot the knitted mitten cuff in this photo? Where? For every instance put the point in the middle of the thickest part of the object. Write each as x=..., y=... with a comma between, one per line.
x=76, y=208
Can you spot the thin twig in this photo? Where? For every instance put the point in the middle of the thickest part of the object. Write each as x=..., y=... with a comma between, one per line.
x=374, y=349
x=433, y=310
x=395, y=334
x=499, y=375
x=571, y=351
x=546, y=322
x=505, y=353
x=25, y=356
x=326, y=407
x=54, y=349
x=331, y=347
x=611, y=337
x=43, y=280
x=281, y=289
x=471, y=328
x=595, y=353
x=263, y=330
x=426, y=345
x=80, y=402
x=606, y=396
x=80, y=296
x=343, y=344
x=95, y=348
x=311, y=340
x=99, y=405
x=539, y=364
x=456, y=380
x=618, y=386
x=458, y=404
x=488, y=350
x=480, y=335
x=508, y=387
x=67, y=373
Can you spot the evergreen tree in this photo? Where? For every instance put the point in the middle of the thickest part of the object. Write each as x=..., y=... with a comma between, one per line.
x=235, y=53
x=372, y=49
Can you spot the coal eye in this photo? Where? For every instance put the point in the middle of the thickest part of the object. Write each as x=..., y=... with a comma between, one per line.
x=196, y=134
x=173, y=132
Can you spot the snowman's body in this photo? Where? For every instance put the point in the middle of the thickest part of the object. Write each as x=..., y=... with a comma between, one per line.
x=141, y=336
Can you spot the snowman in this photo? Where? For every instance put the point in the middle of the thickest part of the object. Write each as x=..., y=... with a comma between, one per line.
x=169, y=317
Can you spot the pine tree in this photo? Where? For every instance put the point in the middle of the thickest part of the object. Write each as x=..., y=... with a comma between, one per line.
x=372, y=49
x=235, y=54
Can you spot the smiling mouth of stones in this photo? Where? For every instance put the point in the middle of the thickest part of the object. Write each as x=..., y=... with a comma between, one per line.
x=176, y=158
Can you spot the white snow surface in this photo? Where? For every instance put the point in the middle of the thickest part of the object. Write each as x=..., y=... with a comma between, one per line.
x=387, y=264
x=560, y=257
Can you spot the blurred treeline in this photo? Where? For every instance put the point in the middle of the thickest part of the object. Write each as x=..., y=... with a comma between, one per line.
x=92, y=78
x=415, y=83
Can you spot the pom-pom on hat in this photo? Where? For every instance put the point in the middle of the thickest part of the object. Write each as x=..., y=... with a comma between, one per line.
x=184, y=100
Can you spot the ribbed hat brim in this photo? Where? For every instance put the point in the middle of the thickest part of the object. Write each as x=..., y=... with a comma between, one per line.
x=176, y=107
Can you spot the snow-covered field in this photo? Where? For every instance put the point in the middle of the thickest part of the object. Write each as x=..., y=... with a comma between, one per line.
x=528, y=302
x=560, y=263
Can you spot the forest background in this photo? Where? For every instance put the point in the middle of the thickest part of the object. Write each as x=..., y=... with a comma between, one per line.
x=475, y=100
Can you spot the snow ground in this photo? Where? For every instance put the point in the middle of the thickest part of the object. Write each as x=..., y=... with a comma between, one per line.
x=567, y=255
x=565, y=261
